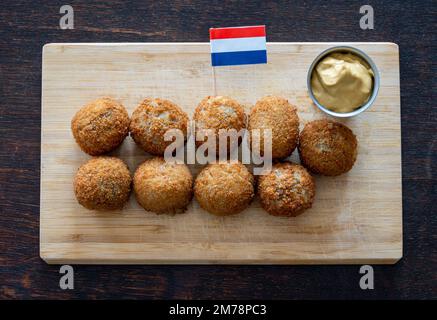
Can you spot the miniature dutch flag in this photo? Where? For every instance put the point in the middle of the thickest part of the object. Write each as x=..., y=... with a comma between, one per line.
x=240, y=45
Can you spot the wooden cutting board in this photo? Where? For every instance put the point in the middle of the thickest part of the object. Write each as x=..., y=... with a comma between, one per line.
x=356, y=217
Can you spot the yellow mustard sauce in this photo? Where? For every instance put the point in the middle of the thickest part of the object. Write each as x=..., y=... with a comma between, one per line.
x=342, y=82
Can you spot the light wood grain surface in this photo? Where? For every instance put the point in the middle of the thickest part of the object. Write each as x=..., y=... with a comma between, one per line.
x=356, y=217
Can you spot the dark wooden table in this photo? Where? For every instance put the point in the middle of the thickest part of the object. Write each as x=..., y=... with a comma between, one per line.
x=25, y=26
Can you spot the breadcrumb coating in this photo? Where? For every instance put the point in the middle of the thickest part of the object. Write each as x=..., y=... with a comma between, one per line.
x=100, y=126
x=103, y=183
x=328, y=148
x=163, y=187
x=219, y=112
x=224, y=188
x=288, y=190
x=151, y=120
x=280, y=116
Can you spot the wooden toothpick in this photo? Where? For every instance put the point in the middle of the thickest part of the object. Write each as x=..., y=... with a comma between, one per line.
x=214, y=84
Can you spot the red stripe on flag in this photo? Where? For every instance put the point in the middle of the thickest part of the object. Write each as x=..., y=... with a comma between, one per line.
x=239, y=32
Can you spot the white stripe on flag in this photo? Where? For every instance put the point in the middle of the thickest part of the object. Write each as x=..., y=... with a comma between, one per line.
x=238, y=44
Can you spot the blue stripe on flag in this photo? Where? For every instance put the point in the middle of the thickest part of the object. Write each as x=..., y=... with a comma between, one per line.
x=240, y=57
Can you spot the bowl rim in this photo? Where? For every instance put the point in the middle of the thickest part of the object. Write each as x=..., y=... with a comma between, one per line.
x=365, y=57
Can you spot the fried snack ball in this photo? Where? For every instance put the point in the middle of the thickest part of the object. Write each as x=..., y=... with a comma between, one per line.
x=224, y=188
x=219, y=112
x=288, y=190
x=328, y=148
x=100, y=126
x=151, y=120
x=103, y=183
x=163, y=187
x=280, y=116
